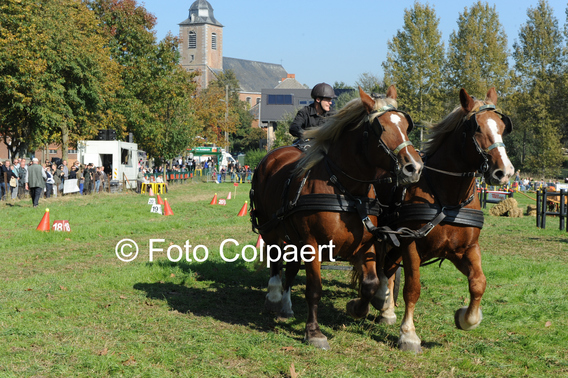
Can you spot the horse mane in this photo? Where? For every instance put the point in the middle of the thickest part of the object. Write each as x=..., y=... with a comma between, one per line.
x=353, y=113
x=451, y=123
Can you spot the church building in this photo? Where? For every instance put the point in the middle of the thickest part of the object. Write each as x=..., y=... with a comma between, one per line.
x=201, y=48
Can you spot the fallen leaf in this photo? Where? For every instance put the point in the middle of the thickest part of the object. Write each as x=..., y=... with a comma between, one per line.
x=103, y=352
x=130, y=361
x=287, y=349
x=293, y=373
x=28, y=289
x=172, y=275
x=122, y=297
x=548, y=324
x=63, y=288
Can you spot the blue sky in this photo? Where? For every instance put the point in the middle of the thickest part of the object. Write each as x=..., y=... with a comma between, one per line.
x=333, y=40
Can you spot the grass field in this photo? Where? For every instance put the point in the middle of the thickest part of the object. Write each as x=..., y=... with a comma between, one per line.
x=70, y=308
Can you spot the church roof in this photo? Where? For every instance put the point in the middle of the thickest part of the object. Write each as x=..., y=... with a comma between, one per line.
x=255, y=76
x=201, y=12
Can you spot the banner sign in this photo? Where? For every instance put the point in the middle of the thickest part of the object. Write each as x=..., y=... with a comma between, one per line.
x=70, y=186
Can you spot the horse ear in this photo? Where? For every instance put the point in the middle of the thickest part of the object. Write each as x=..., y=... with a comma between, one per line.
x=491, y=96
x=367, y=100
x=466, y=101
x=391, y=92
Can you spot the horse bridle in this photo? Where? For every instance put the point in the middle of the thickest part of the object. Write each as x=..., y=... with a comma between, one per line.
x=484, y=167
x=374, y=123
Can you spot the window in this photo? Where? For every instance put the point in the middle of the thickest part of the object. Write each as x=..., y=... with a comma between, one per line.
x=192, y=44
x=71, y=151
x=280, y=99
x=248, y=100
x=53, y=152
x=214, y=41
x=258, y=100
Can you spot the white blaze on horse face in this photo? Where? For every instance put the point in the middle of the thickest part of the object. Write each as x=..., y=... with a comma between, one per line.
x=497, y=138
x=395, y=118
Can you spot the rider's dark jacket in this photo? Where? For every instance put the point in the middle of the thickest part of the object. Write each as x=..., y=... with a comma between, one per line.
x=307, y=118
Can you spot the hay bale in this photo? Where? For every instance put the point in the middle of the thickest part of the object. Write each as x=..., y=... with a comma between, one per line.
x=531, y=210
x=517, y=212
x=503, y=207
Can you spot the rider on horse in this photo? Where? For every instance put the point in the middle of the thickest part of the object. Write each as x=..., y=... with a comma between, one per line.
x=313, y=115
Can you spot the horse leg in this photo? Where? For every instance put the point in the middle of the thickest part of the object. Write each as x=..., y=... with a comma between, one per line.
x=408, y=340
x=314, y=336
x=382, y=298
x=292, y=269
x=273, y=301
x=468, y=318
x=388, y=316
x=359, y=307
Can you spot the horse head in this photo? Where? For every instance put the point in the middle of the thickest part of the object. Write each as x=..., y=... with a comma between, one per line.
x=391, y=127
x=487, y=126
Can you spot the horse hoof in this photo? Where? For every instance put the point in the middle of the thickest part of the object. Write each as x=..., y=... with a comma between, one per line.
x=459, y=318
x=272, y=306
x=286, y=314
x=319, y=342
x=352, y=309
x=387, y=320
x=410, y=347
x=378, y=303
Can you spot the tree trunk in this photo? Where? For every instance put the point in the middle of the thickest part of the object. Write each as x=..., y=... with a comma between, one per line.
x=64, y=141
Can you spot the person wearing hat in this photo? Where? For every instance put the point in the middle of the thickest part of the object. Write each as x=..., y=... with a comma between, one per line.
x=314, y=115
x=36, y=181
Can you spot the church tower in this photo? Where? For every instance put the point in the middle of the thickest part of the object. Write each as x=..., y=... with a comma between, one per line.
x=201, y=42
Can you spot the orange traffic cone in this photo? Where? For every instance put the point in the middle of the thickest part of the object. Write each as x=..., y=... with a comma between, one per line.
x=229, y=196
x=44, y=224
x=160, y=202
x=151, y=192
x=214, y=200
x=258, y=241
x=243, y=210
x=167, y=208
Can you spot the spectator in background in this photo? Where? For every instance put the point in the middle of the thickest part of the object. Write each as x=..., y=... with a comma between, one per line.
x=140, y=180
x=58, y=179
x=16, y=177
x=23, y=178
x=36, y=181
x=5, y=175
x=49, y=181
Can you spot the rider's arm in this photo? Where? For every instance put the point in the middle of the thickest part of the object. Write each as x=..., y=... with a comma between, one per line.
x=299, y=124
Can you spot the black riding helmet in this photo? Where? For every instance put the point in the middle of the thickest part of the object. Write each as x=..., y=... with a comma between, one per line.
x=323, y=90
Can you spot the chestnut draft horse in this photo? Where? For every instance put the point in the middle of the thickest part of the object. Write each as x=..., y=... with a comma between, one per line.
x=312, y=199
x=467, y=143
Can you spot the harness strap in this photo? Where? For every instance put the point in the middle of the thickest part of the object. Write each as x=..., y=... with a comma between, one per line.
x=494, y=145
x=401, y=146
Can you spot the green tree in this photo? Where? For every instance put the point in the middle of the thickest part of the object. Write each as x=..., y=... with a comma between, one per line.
x=538, y=62
x=477, y=54
x=156, y=98
x=415, y=60
x=56, y=77
x=239, y=122
x=370, y=83
x=282, y=136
